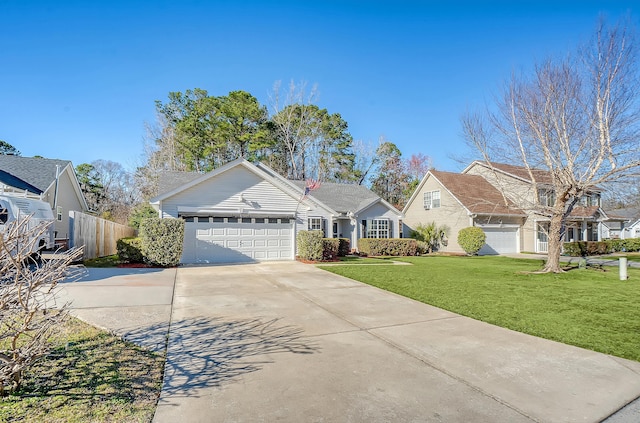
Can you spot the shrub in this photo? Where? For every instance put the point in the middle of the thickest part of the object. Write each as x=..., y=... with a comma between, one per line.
x=310, y=245
x=330, y=248
x=471, y=239
x=139, y=213
x=592, y=248
x=345, y=247
x=632, y=244
x=388, y=246
x=162, y=241
x=430, y=235
x=130, y=250
x=423, y=248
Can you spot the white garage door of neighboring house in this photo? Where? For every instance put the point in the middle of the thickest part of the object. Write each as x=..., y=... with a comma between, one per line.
x=237, y=240
x=500, y=241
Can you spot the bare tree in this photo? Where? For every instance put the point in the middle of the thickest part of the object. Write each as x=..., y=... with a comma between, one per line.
x=28, y=310
x=292, y=114
x=366, y=159
x=576, y=119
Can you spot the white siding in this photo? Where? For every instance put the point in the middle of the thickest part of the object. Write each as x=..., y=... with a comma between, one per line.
x=379, y=211
x=222, y=191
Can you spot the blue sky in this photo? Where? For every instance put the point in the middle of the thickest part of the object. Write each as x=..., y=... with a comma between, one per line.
x=78, y=79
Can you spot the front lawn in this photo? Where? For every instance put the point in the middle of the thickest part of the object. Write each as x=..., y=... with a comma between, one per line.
x=588, y=308
x=90, y=376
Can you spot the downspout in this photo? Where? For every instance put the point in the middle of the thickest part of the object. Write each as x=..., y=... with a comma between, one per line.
x=55, y=203
x=55, y=192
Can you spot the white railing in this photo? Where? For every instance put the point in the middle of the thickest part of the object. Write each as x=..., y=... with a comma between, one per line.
x=543, y=247
x=14, y=192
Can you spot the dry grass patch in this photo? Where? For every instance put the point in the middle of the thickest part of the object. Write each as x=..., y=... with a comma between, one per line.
x=89, y=376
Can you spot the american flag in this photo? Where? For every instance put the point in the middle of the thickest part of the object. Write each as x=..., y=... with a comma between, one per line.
x=310, y=186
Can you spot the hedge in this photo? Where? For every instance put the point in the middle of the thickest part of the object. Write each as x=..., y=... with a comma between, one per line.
x=593, y=248
x=310, y=245
x=388, y=246
x=130, y=250
x=345, y=247
x=162, y=241
x=330, y=248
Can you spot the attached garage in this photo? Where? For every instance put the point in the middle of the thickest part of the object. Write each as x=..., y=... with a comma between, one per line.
x=243, y=212
x=237, y=239
x=500, y=241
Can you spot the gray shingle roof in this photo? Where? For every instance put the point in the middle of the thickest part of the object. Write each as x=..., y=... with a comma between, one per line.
x=36, y=171
x=170, y=180
x=342, y=198
x=13, y=181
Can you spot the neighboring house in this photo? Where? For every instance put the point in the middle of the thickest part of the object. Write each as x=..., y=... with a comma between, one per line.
x=244, y=212
x=629, y=228
x=457, y=200
x=502, y=200
x=54, y=181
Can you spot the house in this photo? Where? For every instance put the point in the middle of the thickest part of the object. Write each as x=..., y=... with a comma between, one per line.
x=457, y=200
x=628, y=228
x=504, y=201
x=54, y=181
x=247, y=212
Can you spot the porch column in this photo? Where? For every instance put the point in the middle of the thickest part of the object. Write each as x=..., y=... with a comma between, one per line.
x=600, y=231
x=585, y=231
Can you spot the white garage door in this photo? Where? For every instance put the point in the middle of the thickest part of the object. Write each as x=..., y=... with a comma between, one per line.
x=500, y=241
x=235, y=240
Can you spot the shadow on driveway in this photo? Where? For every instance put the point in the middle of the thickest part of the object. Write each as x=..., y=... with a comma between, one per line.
x=209, y=352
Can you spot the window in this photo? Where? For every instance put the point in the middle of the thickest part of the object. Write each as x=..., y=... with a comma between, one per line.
x=59, y=212
x=400, y=229
x=376, y=228
x=546, y=197
x=246, y=220
x=431, y=199
x=218, y=220
x=591, y=200
x=316, y=224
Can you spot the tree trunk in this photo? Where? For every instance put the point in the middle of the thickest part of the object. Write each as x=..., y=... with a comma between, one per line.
x=555, y=239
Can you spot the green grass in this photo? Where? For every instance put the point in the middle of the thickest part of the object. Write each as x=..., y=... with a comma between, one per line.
x=365, y=260
x=588, y=308
x=108, y=261
x=95, y=378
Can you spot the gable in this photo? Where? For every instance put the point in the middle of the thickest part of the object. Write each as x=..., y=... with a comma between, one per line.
x=238, y=189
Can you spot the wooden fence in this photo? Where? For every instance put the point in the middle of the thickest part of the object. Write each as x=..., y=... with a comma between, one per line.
x=98, y=235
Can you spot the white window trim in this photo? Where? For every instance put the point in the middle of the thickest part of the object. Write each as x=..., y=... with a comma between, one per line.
x=432, y=199
x=314, y=223
x=373, y=228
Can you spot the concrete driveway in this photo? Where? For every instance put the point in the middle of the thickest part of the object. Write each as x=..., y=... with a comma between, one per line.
x=288, y=342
